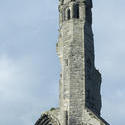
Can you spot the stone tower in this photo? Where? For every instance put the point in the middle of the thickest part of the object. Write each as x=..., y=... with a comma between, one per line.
x=80, y=98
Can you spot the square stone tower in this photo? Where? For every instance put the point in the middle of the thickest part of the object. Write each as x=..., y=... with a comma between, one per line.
x=80, y=98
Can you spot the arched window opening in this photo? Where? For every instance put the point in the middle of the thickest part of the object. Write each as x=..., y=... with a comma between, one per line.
x=76, y=11
x=47, y=120
x=68, y=14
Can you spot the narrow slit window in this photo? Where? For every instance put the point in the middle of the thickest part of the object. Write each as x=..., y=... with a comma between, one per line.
x=76, y=11
x=68, y=14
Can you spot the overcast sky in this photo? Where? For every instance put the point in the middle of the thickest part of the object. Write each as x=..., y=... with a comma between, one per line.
x=29, y=66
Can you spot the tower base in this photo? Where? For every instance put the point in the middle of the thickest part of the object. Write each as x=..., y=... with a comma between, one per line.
x=53, y=117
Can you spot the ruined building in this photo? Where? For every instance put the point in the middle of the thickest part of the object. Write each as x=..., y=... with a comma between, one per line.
x=80, y=81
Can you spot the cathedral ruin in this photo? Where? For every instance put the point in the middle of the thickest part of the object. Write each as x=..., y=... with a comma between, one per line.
x=80, y=81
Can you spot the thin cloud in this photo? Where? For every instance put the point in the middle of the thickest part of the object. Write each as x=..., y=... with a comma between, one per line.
x=29, y=66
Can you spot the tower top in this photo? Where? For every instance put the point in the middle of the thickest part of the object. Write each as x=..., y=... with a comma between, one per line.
x=87, y=2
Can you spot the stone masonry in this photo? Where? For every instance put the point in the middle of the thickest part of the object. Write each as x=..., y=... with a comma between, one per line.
x=80, y=98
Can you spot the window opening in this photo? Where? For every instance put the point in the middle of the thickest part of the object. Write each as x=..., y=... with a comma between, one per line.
x=68, y=14
x=76, y=11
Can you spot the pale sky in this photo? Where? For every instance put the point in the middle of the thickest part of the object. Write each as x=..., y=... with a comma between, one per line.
x=29, y=66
